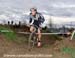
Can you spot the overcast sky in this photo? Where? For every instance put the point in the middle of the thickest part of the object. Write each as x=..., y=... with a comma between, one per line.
x=52, y=7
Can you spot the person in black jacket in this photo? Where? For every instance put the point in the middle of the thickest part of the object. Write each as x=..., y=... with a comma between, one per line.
x=36, y=19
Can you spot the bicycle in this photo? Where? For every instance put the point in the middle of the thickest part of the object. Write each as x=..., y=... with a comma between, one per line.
x=32, y=38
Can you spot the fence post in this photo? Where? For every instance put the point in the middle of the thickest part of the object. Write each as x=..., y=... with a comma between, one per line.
x=72, y=35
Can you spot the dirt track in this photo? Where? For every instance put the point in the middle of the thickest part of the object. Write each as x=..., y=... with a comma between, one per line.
x=50, y=47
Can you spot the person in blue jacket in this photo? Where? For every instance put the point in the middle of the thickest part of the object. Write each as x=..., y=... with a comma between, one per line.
x=36, y=19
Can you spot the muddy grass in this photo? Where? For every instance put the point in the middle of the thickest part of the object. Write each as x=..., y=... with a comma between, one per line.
x=56, y=47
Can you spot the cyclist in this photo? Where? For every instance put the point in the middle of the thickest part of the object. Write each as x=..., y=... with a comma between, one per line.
x=36, y=19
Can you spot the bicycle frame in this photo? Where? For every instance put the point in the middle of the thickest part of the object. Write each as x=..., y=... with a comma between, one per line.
x=32, y=35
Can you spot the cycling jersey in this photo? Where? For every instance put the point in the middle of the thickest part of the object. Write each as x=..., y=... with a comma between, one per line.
x=37, y=20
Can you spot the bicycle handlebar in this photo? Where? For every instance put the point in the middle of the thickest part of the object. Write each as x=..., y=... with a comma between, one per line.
x=35, y=27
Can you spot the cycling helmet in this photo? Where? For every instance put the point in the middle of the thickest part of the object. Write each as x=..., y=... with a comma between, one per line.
x=35, y=9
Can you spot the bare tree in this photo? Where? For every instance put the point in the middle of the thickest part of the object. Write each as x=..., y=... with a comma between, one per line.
x=51, y=23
